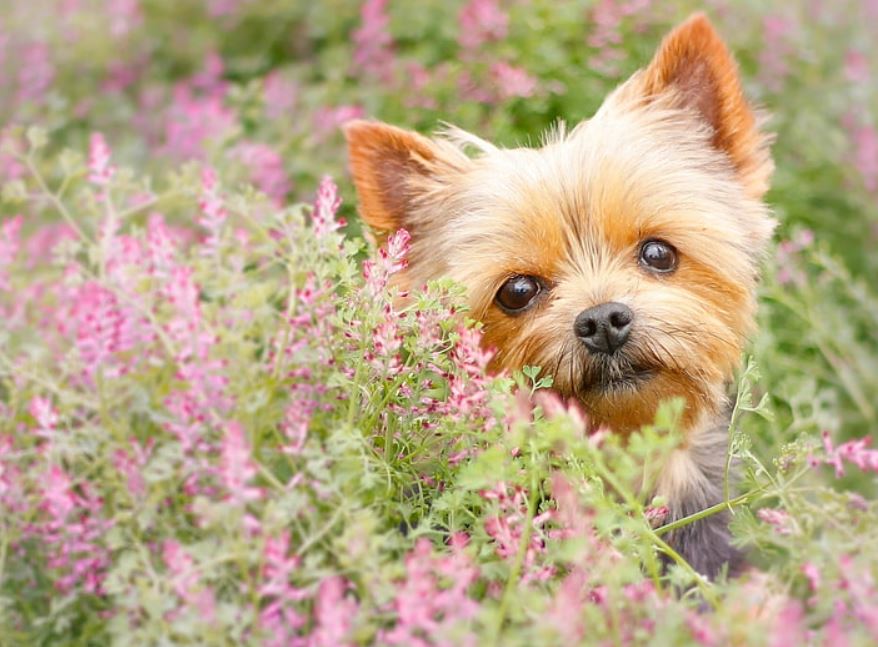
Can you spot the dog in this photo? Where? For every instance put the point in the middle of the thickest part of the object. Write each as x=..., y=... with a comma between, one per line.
x=621, y=256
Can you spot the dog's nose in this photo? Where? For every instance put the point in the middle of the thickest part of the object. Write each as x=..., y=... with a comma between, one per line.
x=604, y=328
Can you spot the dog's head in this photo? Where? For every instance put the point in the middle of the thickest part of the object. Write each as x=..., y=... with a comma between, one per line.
x=622, y=256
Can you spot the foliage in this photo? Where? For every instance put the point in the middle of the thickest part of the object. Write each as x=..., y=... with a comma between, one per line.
x=219, y=425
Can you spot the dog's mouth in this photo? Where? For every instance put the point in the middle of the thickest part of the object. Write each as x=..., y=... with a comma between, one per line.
x=613, y=379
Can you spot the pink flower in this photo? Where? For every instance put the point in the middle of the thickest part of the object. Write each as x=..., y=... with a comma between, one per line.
x=45, y=415
x=267, y=170
x=9, y=246
x=392, y=258
x=811, y=571
x=852, y=451
x=278, y=619
x=780, y=519
x=334, y=614
x=213, y=211
x=865, y=140
x=125, y=16
x=186, y=582
x=236, y=466
x=480, y=22
x=72, y=527
x=776, y=51
x=373, y=53
x=328, y=119
x=512, y=81
x=36, y=73
x=280, y=95
x=856, y=67
x=326, y=205
x=425, y=607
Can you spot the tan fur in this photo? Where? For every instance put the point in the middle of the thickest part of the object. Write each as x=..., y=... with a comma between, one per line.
x=673, y=154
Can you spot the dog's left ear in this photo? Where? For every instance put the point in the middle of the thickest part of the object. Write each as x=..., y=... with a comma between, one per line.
x=695, y=65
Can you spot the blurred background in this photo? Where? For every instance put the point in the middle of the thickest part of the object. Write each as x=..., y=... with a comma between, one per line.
x=261, y=87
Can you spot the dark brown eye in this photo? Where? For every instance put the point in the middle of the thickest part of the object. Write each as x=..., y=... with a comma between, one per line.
x=518, y=293
x=658, y=256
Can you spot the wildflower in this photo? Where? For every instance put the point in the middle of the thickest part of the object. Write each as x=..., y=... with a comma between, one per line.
x=9, y=246
x=267, y=170
x=236, y=466
x=213, y=211
x=45, y=415
x=480, y=22
x=326, y=205
x=187, y=584
x=72, y=526
x=392, y=258
x=100, y=170
x=334, y=614
x=373, y=44
x=512, y=81
x=426, y=609
x=780, y=519
x=279, y=95
x=278, y=619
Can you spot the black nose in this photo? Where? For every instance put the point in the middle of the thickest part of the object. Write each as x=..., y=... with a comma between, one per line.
x=604, y=328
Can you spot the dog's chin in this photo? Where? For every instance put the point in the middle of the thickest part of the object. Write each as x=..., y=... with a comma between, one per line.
x=616, y=382
x=613, y=380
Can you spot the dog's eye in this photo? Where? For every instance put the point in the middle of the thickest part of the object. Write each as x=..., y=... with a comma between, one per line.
x=658, y=256
x=518, y=292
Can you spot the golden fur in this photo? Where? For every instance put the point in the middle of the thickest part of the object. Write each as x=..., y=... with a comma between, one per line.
x=673, y=154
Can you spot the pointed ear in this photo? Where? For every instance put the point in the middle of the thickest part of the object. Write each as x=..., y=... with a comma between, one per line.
x=387, y=164
x=695, y=64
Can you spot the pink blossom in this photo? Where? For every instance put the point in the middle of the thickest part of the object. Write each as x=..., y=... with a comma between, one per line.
x=237, y=469
x=279, y=619
x=36, y=73
x=607, y=18
x=480, y=22
x=512, y=81
x=856, y=67
x=780, y=519
x=124, y=15
x=506, y=528
x=100, y=170
x=186, y=582
x=425, y=607
x=811, y=571
x=9, y=246
x=326, y=205
x=788, y=628
x=373, y=44
x=392, y=258
x=327, y=120
x=776, y=51
x=193, y=120
x=131, y=465
x=45, y=415
x=279, y=94
x=852, y=451
x=334, y=614
x=104, y=329
x=213, y=211
x=266, y=168
x=865, y=158
x=72, y=527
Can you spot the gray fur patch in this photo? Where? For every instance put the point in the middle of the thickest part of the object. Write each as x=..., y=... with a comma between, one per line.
x=706, y=543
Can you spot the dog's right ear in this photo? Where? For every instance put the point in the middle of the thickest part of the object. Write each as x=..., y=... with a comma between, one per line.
x=392, y=169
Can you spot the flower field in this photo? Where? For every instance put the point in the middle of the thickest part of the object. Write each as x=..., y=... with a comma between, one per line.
x=219, y=426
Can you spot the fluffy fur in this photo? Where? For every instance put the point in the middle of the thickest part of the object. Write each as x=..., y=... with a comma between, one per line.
x=673, y=154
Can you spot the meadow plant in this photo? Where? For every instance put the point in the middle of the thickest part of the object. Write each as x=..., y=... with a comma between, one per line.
x=221, y=423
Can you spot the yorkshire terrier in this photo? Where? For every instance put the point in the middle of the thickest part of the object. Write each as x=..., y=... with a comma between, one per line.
x=621, y=257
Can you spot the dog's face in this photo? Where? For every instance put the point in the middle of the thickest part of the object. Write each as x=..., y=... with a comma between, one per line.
x=620, y=257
